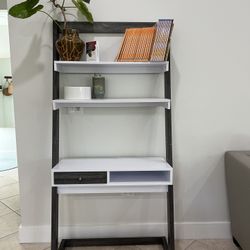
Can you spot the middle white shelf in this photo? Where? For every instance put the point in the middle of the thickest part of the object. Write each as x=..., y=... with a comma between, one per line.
x=115, y=103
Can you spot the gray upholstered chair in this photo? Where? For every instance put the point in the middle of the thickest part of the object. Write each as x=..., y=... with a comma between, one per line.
x=237, y=165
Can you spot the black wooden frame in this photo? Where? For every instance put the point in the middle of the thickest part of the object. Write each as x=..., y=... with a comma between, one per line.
x=108, y=28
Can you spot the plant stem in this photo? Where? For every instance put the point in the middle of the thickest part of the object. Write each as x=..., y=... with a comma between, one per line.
x=51, y=18
x=62, y=11
x=63, y=3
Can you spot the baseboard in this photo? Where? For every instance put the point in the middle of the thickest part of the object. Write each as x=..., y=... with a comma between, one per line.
x=185, y=230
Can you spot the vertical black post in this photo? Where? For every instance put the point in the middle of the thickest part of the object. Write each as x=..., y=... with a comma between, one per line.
x=54, y=220
x=55, y=147
x=168, y=135
x=55, y=126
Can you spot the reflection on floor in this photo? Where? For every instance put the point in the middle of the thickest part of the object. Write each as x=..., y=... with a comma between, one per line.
x=10, y=220
x=8, y=158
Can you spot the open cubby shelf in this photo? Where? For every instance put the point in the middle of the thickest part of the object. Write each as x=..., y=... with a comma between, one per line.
x=139, y=177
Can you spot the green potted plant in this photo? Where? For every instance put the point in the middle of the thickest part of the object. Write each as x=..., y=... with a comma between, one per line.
x=69, y=45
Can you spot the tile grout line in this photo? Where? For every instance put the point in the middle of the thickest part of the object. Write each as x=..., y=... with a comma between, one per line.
x=10, y=184
x=200, y=240
x=9, y=208
x=1, y=238
x=189, y=245
x=16, y=182
x=17, y=213
x=205, y=243
x=2, y=200
x=9, y=196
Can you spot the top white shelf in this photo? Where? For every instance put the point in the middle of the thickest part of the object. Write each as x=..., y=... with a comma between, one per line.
x=83, y=67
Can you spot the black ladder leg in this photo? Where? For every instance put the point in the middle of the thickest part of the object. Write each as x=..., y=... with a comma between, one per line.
x=170, y=201
x=169, y=158
x=54, y=220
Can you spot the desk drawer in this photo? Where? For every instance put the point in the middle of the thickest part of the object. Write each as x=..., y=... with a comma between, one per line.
x=80, y=178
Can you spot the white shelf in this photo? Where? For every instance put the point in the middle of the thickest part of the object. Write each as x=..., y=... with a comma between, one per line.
x=137, y=174
x=108, y=189
x=112, y=164
x=115, y=103
x=83, y=67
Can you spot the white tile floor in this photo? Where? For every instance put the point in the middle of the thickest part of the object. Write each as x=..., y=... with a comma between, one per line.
x=10, y=220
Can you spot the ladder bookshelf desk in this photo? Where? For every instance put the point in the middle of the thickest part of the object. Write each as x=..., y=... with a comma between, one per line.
x=111, y=175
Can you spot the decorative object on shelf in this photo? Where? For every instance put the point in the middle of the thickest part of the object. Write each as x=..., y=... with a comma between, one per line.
x=69, y=46
x=92, y=51
x=161, y=44
x=136, y=45
x=98, y=86
x=146, y=44
x=8, y=86
x=77, y=93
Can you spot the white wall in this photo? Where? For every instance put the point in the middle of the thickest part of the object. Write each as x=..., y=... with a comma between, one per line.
x=210, y=75
x=3, y=4
x=4, y=34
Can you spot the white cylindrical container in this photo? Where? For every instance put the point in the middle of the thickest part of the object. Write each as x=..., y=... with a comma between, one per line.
x=77, y=93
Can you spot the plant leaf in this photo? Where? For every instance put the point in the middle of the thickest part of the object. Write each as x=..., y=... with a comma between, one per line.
x=82, y=7
x=25, y=9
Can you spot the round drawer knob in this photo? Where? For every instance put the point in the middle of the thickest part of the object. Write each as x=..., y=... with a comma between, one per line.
x=80, y=179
